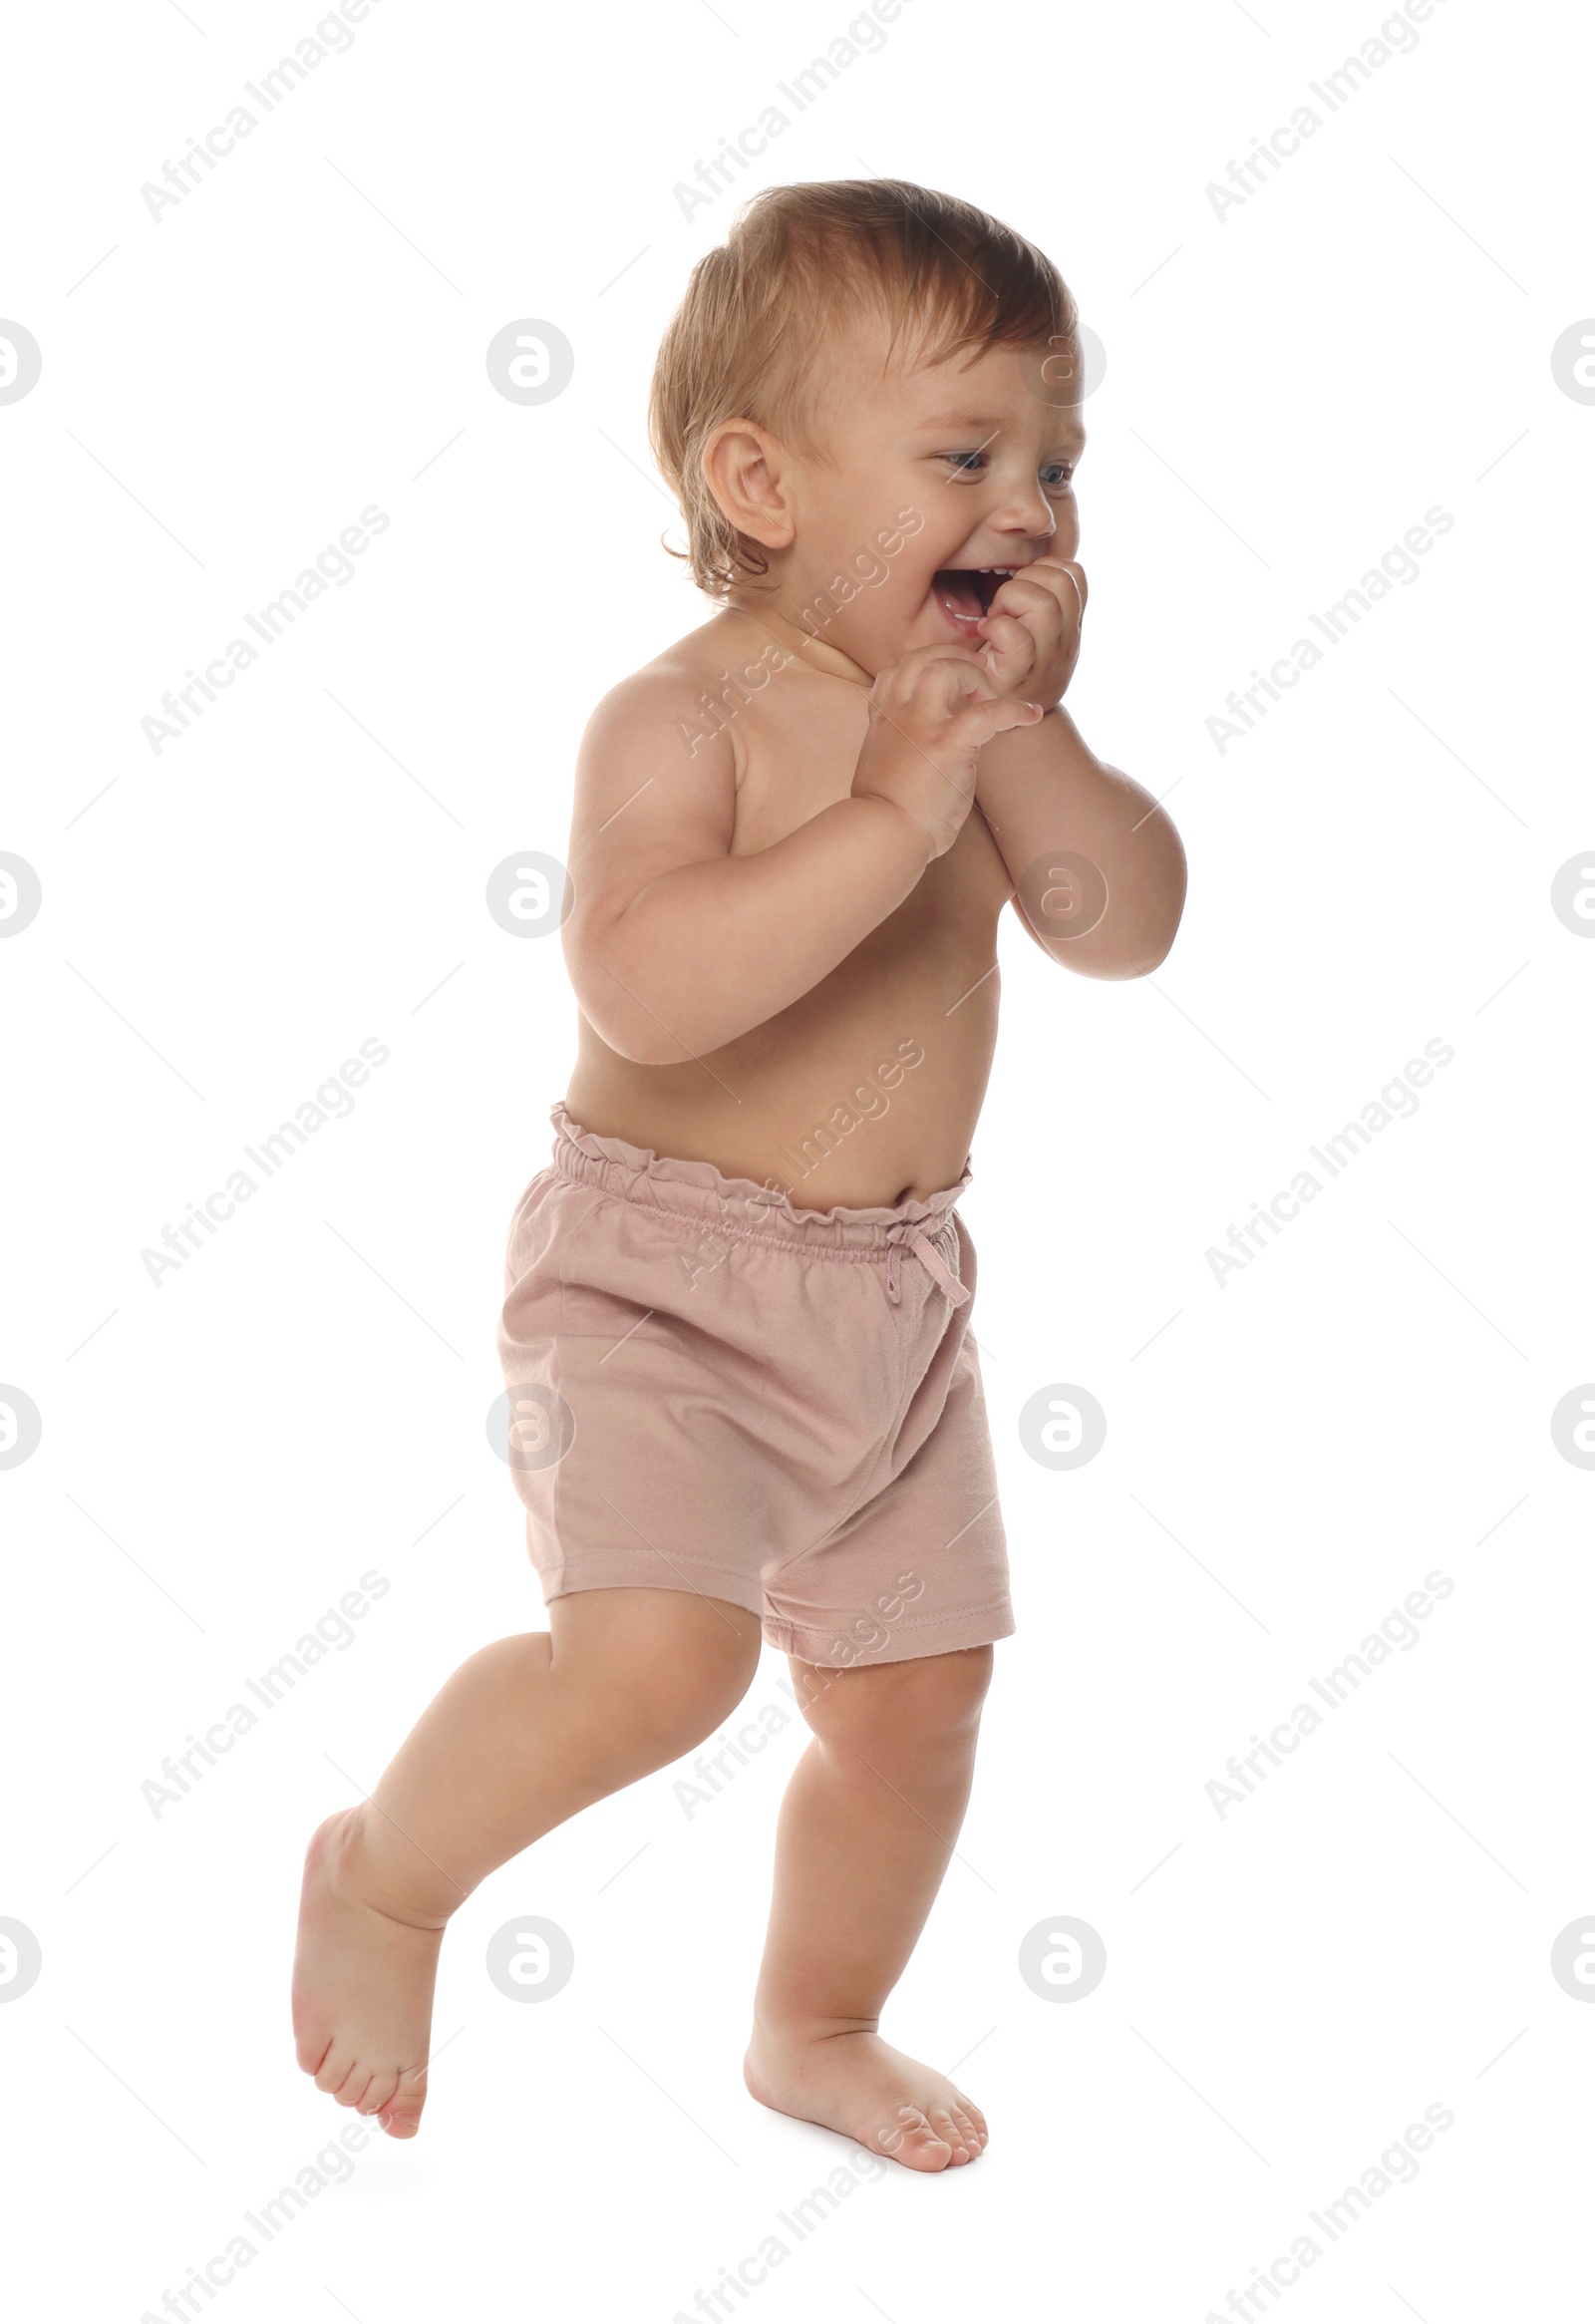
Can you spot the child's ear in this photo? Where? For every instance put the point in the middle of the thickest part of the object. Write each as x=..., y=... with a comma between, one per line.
x=745, y=468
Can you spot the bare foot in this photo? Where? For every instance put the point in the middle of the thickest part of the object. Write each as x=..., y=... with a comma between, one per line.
x=362, y=1988
x=860, y=2085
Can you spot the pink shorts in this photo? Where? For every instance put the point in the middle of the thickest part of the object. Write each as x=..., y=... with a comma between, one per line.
x=709, y=1389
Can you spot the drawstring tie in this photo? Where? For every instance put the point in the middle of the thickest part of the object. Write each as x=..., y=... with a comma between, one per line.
x=906, y=1235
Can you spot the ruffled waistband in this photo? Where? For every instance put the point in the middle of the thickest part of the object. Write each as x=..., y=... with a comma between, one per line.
x=698, y=1189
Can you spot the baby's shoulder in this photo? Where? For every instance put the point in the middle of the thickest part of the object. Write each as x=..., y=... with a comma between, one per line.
x=665, y=696
x=692, y=663
x=670, y=703
x=664, y=719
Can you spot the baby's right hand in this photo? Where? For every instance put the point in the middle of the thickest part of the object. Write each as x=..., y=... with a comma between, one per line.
x=928, y=716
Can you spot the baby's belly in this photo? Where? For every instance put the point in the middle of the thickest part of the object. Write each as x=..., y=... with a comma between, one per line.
x=863, y=1092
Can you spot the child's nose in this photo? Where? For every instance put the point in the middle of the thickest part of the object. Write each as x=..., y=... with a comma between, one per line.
x=1027, y=511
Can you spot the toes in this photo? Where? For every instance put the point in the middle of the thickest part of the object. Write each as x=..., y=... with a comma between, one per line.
x=354, y=2086
x=974, y=2139
x=380, y=2092
x=966, y=2111
x=401, y=2119
x=401, y=2116
x=947, y=2130
x=334, y=2070
x=352, y=2083
x=912, y=2141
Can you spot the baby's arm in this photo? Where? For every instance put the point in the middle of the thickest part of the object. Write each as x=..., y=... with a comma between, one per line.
x=1043, y=792
x=676, y=945
x=1042, y=789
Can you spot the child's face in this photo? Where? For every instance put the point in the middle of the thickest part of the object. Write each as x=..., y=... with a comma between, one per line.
x=926, y=477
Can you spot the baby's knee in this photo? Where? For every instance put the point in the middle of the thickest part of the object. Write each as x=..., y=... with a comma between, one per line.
x=655, y=1671
x=934, y=1696
x=672, y=1709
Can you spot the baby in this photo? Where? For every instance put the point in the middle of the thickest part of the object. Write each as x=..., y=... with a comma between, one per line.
x=745, y=1397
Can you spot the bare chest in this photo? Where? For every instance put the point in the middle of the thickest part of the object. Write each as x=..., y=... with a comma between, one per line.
x=798, y=742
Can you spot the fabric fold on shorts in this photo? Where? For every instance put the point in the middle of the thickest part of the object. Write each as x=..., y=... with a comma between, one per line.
x=712, y=1387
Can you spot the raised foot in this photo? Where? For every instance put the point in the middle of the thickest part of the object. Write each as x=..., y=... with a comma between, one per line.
x=362, y=1988
x=860, y=2085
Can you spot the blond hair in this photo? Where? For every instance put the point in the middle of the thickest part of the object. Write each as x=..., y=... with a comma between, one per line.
x=799, y=259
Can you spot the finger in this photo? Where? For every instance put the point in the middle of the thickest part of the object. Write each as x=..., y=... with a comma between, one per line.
x=1046, y=606
x=979, y=721
x=1031, y=588
x=1077, y=574
x=899, y=683
x=1013, y=640
x=1053, y=572
x=949, y=651
x=1055, y=564
x=906, y=673
x=944, y=687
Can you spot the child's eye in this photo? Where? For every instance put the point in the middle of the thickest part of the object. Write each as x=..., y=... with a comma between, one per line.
x=1055, y=477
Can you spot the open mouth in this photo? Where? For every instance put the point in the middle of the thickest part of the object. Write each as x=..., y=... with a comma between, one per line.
x=965, y=592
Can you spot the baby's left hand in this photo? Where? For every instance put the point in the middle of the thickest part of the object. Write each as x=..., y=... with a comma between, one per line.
x=1032, y=634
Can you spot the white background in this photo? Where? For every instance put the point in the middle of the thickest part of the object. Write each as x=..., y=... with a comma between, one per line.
x=1289, y=389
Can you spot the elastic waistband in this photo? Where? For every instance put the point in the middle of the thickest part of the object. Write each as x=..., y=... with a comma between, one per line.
x=740, y=1207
